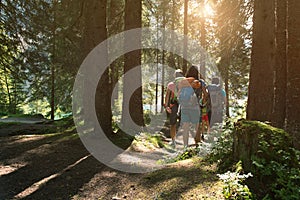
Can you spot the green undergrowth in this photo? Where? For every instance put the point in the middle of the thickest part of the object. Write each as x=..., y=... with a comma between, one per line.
x=275, y=165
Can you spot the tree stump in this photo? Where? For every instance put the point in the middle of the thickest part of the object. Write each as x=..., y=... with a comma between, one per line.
x=245, y=143
x=256, y=139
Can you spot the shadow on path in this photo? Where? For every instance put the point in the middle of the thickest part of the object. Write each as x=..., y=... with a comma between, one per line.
x=55, y=171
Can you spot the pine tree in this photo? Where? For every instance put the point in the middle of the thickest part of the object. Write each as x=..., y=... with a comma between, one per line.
x=133, y=13
x=261, y=88
x=293, y=75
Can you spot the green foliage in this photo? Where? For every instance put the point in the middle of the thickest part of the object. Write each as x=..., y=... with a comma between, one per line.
x=276, y=167
x=275, y=164
x=222, y=149
x=233, y=184
x=280, y=173
x=147, y=116
x=36, y=37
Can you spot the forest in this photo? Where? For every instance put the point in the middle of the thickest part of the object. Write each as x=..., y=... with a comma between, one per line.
x=83, y=99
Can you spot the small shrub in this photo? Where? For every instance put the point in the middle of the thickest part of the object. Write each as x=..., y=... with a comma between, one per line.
x=281, y=179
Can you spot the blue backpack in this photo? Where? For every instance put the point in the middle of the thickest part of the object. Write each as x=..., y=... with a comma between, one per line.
x=187, y=97
x=215, y=94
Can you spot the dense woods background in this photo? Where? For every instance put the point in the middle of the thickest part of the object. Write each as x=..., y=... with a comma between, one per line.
x=254, y=43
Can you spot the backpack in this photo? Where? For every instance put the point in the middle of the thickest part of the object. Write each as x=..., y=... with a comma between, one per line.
x=215, y=96
x=187, y=97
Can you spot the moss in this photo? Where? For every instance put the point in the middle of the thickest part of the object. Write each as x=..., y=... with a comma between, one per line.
x=267, y=152
x=271, y=140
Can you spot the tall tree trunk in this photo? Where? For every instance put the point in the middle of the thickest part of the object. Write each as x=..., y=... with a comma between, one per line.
x=224, y=64
x=52, y=101
x=163, y=57
x=203, y=42
x=261, y=89
x=95, y=33
x=279, y=107
x=293, y=75
x=7, y=89
x=172, y=56
x=185, y=32
x=157, y=68
x=133, y=12
x=115, y=9
x=226, y=82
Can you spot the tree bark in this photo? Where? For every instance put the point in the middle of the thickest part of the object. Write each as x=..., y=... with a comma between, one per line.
x=52, y=101
x=261, y=89
x=95, y=33
x=293, y=75
x=203, y=43
x=133, y=12
x=279, y=107
x=185, y=32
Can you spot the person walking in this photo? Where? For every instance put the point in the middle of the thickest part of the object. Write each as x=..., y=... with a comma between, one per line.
x=172, y=105
x=190, y=110
x=217, y=101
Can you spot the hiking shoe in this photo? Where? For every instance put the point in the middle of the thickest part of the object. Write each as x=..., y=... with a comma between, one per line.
x=172, y=143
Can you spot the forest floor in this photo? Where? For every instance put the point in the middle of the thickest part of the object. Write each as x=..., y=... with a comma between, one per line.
x=41, y=161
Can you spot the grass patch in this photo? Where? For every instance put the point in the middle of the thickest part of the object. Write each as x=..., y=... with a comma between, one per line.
x=147, y=141
x=188, y=179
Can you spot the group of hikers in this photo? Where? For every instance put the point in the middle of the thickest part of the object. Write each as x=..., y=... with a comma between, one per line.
x=190, y=101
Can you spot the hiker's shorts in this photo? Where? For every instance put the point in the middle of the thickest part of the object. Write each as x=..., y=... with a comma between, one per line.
x=190, y=115
x=173, y=115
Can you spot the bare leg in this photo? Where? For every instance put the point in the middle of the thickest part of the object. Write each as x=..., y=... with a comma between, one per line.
x=185, y=134
x=203, y=127
x=173, y=131
x=198, y=133
x=208, y=127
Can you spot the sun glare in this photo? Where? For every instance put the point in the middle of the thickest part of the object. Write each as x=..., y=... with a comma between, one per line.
x=208, y=11
x=198, y=9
